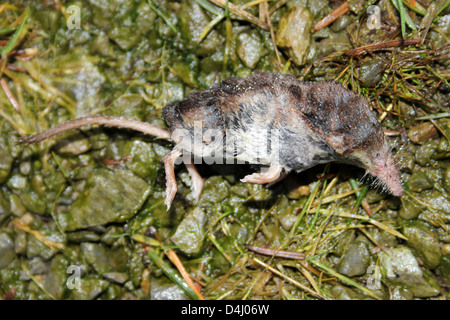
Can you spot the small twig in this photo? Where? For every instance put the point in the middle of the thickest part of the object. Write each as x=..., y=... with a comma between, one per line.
x=170, y=273
x=184, y=282
x=427, y=21
x=179, y=265
x=333, y=16
x=10, y=95
x=385, y=113
x=367, y=207
x=277, y=253
x=13, y=67
x=186, y=276
x=276, y=6
x=384, y=45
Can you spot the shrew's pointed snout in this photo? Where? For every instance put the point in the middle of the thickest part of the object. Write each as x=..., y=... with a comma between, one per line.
x=386, y=171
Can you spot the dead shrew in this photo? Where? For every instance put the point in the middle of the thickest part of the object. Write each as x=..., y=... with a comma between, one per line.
x=272, y=120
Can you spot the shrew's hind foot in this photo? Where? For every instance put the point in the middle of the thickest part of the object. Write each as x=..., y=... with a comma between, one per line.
x=197, y=180
x=171, y=182
x=271, y=175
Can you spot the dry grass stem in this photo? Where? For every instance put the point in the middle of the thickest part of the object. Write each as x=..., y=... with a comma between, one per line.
x=241, y=13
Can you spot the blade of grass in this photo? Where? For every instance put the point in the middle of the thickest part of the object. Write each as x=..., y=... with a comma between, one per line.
x=162, y=15
x=11, y=121
x=316, y=215
x=401, y=11
x=265, y=9
x=427, y=21
x=296, y=283
x=6, y=31
x=60, y=166
x=36, y=281
x=305, y=209
x=438, y=75
x=308, y=276
x=374, y=222
x=208, y=6
x=276, y=6
x=441, y=9
x=430, y=207
x=241, y=13
x=228, y=44
x=360, y=201
x=252, y=3
x=36, y=85
x=252, y=286
x=317, y=235
x=405, y=19
x=385, y=113
x=15, y=37
x=344, y=279
x=435, y=116
x=213, y=240
x=209, y=27
x=414, y=9
x=51, y=244
x=336, y=197
x=286, y=67
x=146, y=240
